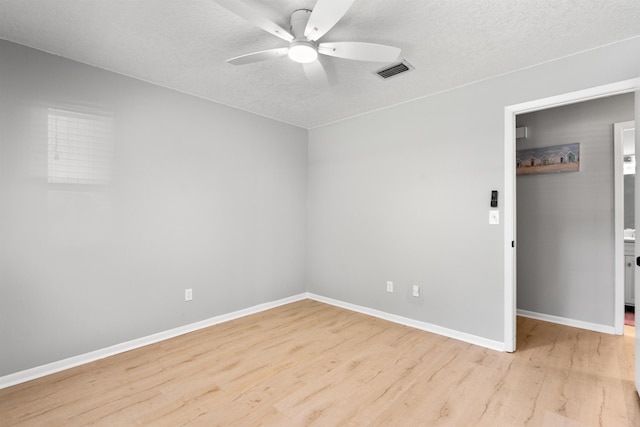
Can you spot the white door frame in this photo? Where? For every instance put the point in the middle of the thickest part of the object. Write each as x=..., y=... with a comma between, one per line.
x=618, y=228
x=510, y=113
x=618, y=223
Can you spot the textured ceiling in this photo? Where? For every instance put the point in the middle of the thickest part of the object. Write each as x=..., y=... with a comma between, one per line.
x=183, y=45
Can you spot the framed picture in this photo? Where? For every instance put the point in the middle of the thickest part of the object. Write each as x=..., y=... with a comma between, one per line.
x=559, y=158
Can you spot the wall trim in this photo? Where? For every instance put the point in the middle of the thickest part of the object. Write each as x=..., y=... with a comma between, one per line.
x=596, y=327
x=417, y=324
x=72, y=362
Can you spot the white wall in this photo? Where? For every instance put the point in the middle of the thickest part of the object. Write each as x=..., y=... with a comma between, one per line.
x=201, y=196
x=403, y=194
x=565, y=220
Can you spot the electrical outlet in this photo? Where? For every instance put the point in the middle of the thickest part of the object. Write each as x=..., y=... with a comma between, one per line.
x=188, y=294
x=416, y=290
x=389, y=286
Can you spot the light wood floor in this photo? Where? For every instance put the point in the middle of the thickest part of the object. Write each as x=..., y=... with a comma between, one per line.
x=308, y=363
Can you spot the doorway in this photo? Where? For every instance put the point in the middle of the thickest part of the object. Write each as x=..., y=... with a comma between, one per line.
x=565, y=213
x=510, y=235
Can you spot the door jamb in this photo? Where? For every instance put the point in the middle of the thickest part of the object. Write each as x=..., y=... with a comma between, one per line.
x=618, y=227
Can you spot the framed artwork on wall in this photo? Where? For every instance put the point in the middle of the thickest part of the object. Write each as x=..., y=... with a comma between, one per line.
x=559, y=158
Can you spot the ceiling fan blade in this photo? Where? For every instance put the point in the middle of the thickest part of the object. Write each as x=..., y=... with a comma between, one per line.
x=360, y=51
x=325, y=15
x=316, y=74
x=258, y=56
x=258, y=15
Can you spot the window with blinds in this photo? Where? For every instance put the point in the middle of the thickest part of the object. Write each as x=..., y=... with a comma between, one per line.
x=80, y=147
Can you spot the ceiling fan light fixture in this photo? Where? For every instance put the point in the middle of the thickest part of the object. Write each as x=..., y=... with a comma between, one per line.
x=303, y=52
x=306, y=29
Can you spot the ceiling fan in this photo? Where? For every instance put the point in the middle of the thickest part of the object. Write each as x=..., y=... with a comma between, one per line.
x=306, y=28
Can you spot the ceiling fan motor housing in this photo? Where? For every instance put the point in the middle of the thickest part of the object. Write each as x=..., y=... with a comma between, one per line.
x=299, y=19
x=301, y=49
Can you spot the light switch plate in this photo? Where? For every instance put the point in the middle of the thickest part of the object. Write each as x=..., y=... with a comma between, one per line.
x=494, y=217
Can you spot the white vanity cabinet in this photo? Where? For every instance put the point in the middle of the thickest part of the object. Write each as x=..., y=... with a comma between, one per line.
x=629, y=273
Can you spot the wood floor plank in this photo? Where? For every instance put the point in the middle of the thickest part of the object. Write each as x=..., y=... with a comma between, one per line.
x=309, y=363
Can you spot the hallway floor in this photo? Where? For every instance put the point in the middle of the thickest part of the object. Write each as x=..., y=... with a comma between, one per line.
x=629, y=315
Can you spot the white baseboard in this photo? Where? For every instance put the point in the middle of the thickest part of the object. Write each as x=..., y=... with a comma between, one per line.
x=71, y=362
x=607, y=329
x=428, y=327
x=61, y=365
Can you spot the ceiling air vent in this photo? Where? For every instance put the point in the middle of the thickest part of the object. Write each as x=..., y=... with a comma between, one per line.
x=394, y=69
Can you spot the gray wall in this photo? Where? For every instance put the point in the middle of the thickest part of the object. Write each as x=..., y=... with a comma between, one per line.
x=565, y=220
x=403, y=194
x=208, y=197
x=201, y=196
